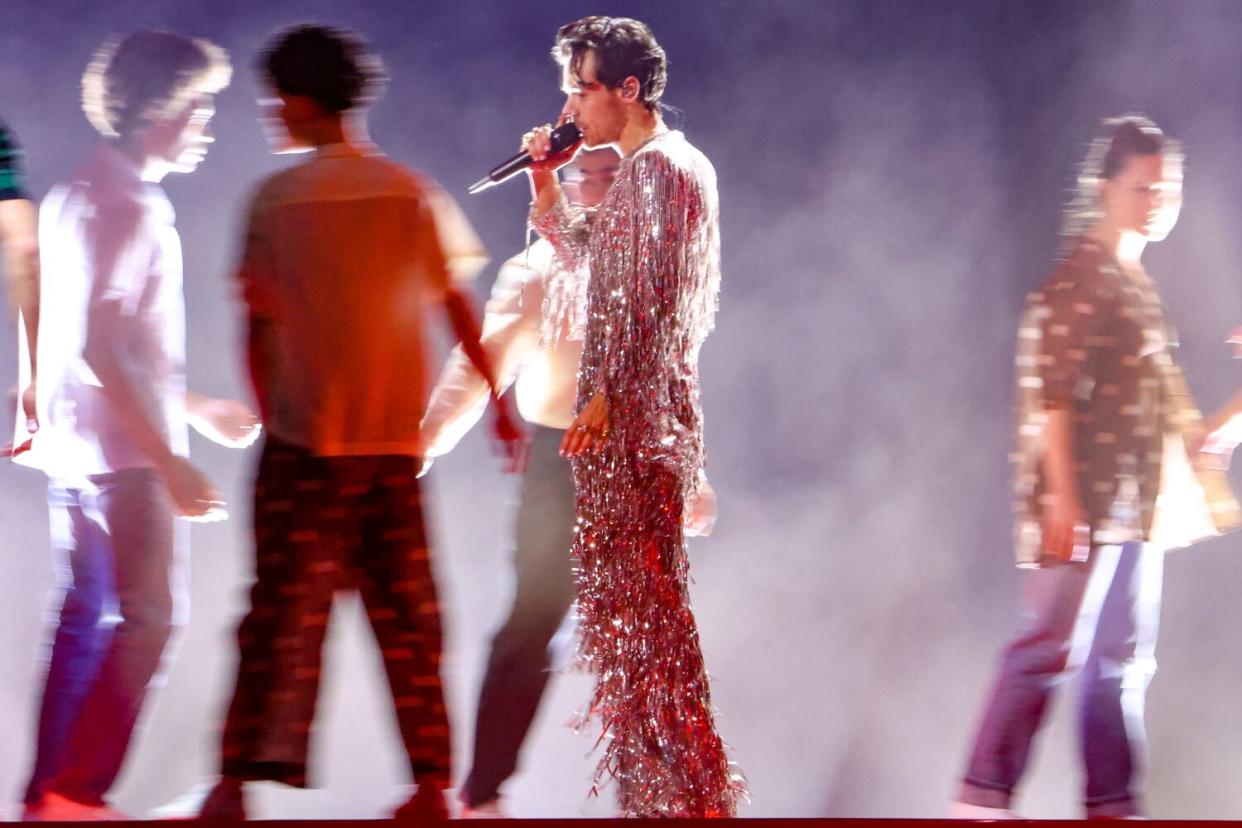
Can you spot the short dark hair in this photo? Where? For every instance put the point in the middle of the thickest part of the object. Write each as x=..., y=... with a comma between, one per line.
x=623, y=48
x=149, y=75
x=333, y=67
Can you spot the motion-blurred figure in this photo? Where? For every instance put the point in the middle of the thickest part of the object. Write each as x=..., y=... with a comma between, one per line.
x=343, y=255
x=1104, y=482
x=653, y=252
x=112, y=408
x=19, y=240
x=532, y=332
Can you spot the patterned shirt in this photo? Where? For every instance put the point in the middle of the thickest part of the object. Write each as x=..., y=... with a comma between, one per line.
x=12, y=183
x=1094, y=341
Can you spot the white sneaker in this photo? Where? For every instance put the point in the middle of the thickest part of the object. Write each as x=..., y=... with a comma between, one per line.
x=491, y=809
x=978, y=813
x=56, y=808
x=188, y=804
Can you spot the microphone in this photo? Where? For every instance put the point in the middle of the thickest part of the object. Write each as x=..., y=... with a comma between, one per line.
x=562, y=138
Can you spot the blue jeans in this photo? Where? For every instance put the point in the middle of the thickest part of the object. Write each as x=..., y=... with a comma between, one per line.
x=1098, y=619
x=116, y=544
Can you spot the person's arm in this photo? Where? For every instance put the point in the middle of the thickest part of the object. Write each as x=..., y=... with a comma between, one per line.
x=466, y=327
x=552, y=216
x=1063, y=516
x=19, y=238
x=119, y=260
x=510, y=333
x=225, y=422
x=1074, y=309
x=665, y=290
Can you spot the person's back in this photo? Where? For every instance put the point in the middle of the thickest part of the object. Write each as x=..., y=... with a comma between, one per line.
x=345, y=258
x=342, y=255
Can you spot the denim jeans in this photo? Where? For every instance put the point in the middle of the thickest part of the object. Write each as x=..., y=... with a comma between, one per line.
x=117, y=548
x=1097, y=619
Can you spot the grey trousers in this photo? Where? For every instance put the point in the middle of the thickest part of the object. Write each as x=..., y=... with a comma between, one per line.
x=519, y=663
x=1098, y=619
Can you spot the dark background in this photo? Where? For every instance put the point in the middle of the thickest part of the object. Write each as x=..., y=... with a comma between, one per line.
x=891, y=176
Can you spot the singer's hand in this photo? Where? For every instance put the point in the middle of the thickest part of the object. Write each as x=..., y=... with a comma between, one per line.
x=538, y=142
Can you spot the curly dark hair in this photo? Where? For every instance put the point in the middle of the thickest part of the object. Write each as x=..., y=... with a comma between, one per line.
x=149, y=75
x=623, y=48
x=333, y=67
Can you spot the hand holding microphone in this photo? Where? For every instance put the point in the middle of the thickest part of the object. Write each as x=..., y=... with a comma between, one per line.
x=544, y=149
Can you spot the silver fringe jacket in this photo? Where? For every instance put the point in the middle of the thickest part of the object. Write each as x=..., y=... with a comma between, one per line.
x=654, y=257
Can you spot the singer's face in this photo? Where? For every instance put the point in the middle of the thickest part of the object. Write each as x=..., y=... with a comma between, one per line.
x=598, y=110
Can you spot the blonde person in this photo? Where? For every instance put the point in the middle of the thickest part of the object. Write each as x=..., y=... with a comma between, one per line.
x=113, y=411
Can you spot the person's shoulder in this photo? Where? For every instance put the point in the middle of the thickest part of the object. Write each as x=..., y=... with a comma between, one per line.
x=671, y=156
x=672, y=149
x=1086, y=269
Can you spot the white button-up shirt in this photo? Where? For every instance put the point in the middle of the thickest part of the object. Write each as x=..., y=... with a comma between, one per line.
x=541, y=353
x=111, y=278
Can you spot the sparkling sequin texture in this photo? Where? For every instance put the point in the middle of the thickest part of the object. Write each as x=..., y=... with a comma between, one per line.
x=654, y=255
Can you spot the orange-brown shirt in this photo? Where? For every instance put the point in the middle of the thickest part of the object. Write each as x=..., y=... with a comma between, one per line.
x=344, y=255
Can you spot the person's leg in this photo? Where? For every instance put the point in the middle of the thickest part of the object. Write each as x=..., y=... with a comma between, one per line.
x=640, y=637
x=1119, y=667
x=518, y=665
x=1063, y=604
x=139, y=519
x=83, y=572
x=390, y=557
x=267, y=727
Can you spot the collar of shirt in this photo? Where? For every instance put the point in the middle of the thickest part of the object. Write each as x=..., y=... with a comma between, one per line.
x=347, y=150
x=115, y=169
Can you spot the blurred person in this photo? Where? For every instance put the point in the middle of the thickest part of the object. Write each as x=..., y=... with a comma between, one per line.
x=113, y=410
x=19, y=240
x=1104, y=483
x=532, y=332
x=636, y=443
x=343, y=255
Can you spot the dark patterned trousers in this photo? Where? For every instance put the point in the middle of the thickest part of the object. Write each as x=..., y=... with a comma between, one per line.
x=323, y=524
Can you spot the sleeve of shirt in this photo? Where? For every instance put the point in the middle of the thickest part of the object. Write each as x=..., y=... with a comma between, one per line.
x=119, y=252
x=510, y=332
x=567, y=228
x=254, y=272
x=12, y=182
x=1071, y=312
x=463, y=252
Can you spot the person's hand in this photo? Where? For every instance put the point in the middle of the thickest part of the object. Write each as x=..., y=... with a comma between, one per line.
x=29, y=411
x=229, y=423
x=700, y=515
x=193, y=495
x=509, y=436
x=538, y=142
x=589, y=430
x=1066, y=534
x=1235, y=339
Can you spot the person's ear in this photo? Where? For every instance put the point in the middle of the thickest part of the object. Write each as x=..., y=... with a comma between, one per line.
x=301, y=108
x=630, y=88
